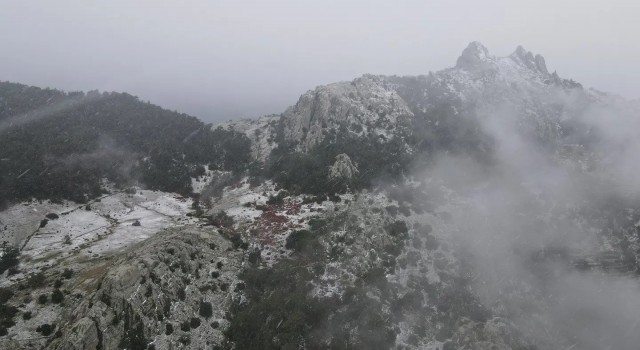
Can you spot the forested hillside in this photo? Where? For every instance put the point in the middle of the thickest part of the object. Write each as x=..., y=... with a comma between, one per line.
x=60, y=145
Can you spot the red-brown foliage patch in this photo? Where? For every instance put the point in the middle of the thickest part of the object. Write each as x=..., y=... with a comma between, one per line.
x=274, y=222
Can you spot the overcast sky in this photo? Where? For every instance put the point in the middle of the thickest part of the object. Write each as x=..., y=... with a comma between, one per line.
x=222, y=60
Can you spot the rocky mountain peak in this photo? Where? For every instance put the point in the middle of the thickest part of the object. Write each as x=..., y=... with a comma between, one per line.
x=529, y=60
x=475, y=56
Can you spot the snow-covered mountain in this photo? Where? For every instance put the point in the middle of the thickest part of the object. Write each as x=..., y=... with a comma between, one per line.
x=491, y=205
x=543, y=104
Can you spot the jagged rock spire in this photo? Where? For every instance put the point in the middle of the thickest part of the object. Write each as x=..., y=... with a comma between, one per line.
x=527, y=59
x=475, y=56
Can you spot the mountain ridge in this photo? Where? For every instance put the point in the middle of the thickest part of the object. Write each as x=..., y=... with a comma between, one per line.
x=373, y=101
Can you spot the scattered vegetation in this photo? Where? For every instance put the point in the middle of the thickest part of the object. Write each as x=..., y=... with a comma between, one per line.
x=281, y=311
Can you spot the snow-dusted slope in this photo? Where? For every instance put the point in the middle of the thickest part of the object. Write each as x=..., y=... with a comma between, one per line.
x=480, y=83
x=103, y=227
x=514, y=218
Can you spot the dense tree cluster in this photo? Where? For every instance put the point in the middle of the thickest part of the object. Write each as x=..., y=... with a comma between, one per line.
x=60, y=145
x=308, y=172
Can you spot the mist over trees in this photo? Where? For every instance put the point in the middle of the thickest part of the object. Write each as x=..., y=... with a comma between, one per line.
x=57, y=145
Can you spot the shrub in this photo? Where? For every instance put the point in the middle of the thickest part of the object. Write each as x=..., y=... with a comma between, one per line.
x=195, y=322
x=299, y=240
x=277, y=199
x=168, y=329
x=7, y=313
x=57, y=296
x=42, y=299
x=236, y=240
x=45, y=329
x=221, y=219
x=205, y=310
x=67, y=273
x=5, y=295
x=36, y=280
x=254, y=256
x=317, y=224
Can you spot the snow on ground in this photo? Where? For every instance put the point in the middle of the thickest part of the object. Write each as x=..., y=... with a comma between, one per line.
x=105, y=226
x=266, y=225
x=20, y=221
x=199, y=183
x=260, y=131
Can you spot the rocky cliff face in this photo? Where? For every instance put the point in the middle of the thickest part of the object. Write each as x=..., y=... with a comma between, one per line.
x=161, y=293
x=364, y=105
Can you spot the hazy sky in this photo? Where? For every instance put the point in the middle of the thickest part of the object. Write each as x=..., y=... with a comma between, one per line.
x=220, y=60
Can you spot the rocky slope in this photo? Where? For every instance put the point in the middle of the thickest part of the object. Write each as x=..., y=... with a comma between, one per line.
x=490, y=205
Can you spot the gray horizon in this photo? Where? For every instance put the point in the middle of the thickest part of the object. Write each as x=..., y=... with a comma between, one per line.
x=227, y=60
